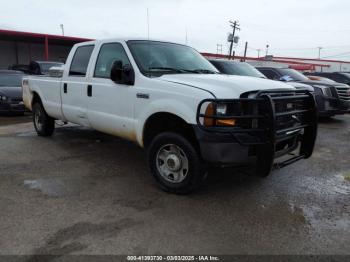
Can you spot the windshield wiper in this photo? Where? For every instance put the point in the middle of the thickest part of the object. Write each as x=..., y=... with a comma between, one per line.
x=180, y=70
x=177, y=70
x=204, y=71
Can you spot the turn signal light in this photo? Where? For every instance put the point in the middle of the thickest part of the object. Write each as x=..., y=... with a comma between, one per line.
x=208, y=121
x=226, y=122
x=209, y=112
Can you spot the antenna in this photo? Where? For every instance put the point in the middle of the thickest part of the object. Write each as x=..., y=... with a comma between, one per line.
x=148, y=42
x=147, y=24
x=186, y=40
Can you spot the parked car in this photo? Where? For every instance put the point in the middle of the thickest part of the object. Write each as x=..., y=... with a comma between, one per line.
x=230, y=67
x=36, y=67
x=11, y=101
x=22, y=68
x=169, y=99
x=42, y=67
x=331, y=98
x=340, y=77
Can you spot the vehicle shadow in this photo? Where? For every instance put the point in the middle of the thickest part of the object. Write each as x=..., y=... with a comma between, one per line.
x=330, y=120
x=115, y=153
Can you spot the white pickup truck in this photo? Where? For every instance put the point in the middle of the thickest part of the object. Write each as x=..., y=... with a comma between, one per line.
x=169, y=99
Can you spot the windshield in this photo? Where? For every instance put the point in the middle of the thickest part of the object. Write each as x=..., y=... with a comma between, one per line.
x=293, y=74
x=237, y=68
x=11, y=80
x=45, y=67
x=157, y=58
x=347, y=75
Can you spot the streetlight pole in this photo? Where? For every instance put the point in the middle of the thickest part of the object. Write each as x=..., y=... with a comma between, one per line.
x=62, y=28
x=319, y=52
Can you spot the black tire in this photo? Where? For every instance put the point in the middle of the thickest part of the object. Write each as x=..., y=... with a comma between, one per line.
x=43, y=123
x=196, y=171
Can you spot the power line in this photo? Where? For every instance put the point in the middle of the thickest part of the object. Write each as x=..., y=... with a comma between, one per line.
x=337, y=55
x=312, y=48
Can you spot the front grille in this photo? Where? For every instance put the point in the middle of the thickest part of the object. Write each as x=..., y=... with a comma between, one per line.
x=343, y=92
x=292, y=113
x=15, y=100
x=268, y=116
x=273, y=123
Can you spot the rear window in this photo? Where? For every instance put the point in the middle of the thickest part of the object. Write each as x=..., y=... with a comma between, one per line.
x=11, y=80
x=81, y=60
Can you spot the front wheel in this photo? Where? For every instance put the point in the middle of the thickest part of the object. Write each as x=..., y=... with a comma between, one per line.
x=43, y=123
x=175, y=163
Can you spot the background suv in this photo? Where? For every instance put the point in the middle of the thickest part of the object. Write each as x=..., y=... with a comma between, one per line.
x=331, y=98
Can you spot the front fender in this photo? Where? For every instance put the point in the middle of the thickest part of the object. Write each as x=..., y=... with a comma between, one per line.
x=180, y=109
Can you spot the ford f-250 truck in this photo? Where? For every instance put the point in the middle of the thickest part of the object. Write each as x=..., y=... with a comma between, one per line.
x=169, y=99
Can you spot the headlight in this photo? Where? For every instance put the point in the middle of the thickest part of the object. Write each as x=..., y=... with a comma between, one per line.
x=213, y=113
x=325, y=90
x=3, y=98
x=221, y=109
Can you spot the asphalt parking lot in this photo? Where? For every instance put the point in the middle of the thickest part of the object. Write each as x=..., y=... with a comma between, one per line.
x=83, y=192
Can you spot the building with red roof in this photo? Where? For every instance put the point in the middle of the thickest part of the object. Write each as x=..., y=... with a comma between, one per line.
x=22, y=47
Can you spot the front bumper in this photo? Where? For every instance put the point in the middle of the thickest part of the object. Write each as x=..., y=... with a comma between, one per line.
x=268, y=138
x=331, y=106
x=222, y=148
x=11, y=108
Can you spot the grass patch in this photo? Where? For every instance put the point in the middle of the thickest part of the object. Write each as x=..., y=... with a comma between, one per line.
x=347, y=176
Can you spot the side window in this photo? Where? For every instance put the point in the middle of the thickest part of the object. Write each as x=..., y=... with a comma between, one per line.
x=80, y=60
x=109, y=53
x=270, y=74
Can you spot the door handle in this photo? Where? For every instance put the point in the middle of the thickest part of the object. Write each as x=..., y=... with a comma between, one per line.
x=65, y=88
x=89, y=90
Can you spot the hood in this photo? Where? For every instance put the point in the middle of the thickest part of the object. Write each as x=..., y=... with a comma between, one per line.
x=323, y=83
x=225, y=86
x=12, y=92
x=298, y=85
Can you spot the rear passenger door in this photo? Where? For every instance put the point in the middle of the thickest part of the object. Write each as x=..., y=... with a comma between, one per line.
x=74, y=87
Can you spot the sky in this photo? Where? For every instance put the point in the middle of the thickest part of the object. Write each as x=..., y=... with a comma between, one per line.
x=293, y=28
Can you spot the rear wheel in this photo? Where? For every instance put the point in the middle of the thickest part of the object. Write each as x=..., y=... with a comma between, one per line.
x=43, y=123
x=175, y=163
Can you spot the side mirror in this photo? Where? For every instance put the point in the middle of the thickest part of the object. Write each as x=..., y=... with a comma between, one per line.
x=122, y=74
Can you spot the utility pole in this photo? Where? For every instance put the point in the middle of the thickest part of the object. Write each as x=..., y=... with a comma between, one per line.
x=267, y=49
x=245, y=51
x=62, y=28
x=235, y=26
x=258, y=52
x=319, y=52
